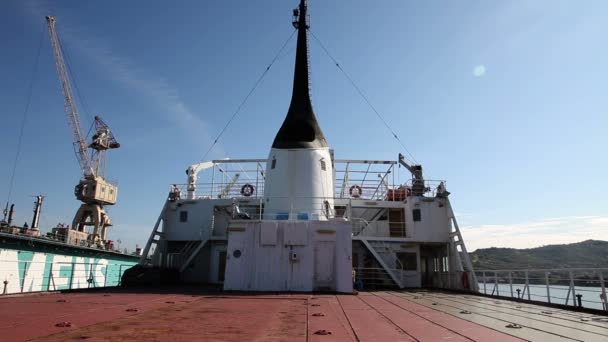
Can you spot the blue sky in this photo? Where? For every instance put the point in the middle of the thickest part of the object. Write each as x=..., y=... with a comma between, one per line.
x=506, y=100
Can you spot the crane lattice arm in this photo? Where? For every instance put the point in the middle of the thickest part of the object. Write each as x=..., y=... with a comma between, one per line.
x=80, y=145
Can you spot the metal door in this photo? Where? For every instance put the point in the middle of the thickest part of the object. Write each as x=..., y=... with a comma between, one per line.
x=324, y=265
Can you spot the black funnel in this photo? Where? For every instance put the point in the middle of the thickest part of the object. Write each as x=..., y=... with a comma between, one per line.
x=300, y=128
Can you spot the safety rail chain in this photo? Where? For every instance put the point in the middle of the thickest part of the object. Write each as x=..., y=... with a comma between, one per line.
x=578, y=287
x=18, y=276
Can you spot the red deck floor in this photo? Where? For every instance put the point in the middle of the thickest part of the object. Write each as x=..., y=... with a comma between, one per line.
x=120, y=315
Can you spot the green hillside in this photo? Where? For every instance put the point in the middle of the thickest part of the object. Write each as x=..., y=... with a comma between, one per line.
x=590, y=253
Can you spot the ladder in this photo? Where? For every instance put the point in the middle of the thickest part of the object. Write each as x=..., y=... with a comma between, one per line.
x=192, y=254
x=379, y=259
x=463, y=260
x=155, y=233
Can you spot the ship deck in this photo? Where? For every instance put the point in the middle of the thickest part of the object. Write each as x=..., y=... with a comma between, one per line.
x=186, y=314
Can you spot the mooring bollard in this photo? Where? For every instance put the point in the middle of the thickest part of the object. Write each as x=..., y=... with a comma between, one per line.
x=579, y=299
x=518, y=293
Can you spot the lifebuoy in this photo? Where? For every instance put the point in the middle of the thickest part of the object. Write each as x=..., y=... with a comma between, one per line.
x=247, y=190
x=355, y=191
x=465, y=280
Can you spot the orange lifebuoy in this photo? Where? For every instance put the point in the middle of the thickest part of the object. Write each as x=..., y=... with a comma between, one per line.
x=355, y=191
x=247, y=190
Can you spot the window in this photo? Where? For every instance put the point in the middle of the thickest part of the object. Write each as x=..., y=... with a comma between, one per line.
x=103, y=189
x=183, y=216
x=274, y=163
x=323, y=165
x=407, y=261
x=416, y=214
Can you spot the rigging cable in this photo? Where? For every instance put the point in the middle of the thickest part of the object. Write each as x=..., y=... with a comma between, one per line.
x=24, y=120
x=363, y=96
x=238, y=109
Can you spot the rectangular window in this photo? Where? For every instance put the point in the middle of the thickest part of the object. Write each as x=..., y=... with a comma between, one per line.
x=183, y=216
x=416, y=214
x=323, y=166
x=407, y=261
x=274, y=163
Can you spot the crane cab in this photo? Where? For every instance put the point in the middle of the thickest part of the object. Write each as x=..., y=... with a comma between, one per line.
x=96, y=190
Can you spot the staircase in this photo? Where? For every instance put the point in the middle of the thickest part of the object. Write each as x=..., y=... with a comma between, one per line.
x=384, y=268
x=459, y=250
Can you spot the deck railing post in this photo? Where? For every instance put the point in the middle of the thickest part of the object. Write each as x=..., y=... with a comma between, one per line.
x=527, y=287
x=72, y=276
x=212, y=181
x=511, y=282
x=105, y=275
x=548, y=291
x=91, y=279
x=573, y=291
x=24, y=275
x=603, y=294
x=483, y=274
x=119, y=274
x=496, y=283
x=48, y=284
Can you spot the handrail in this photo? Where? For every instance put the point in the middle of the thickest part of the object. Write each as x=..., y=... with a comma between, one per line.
x=567, y=286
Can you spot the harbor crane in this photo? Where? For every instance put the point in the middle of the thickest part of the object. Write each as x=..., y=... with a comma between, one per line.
x=93, y=190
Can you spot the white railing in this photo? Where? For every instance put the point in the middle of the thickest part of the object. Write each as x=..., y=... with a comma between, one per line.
x=18, y=276
x=368, y=179
x=578, y=287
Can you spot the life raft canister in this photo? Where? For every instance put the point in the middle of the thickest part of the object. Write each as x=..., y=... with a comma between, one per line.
x=355, y=191
x=465, y=280
x=247, y=190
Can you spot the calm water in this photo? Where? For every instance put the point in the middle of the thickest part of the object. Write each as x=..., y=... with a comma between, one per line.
x=591, y=295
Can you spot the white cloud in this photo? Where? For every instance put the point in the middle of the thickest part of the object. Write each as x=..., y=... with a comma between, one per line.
x=556, y=230
x=479, y=70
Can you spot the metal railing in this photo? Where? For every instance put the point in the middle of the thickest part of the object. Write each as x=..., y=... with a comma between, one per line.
x=367, y=179
x=578, y=287
x=18, y=276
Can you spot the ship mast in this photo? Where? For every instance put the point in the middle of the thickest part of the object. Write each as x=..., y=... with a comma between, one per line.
x=300, y=128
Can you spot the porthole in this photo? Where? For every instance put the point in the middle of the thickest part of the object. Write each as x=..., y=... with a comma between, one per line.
x=236, y=253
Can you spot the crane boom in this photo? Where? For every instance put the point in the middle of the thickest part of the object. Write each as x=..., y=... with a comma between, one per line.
x=80, y=144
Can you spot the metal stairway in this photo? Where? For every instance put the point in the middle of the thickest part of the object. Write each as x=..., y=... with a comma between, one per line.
x=156, y=233
x=192, y=253
x=459, y=250
x=379, y=259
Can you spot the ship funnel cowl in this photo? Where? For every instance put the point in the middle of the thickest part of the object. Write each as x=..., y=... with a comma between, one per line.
x=300, y=128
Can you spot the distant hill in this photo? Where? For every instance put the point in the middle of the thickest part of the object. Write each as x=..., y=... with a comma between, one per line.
x=590, y=253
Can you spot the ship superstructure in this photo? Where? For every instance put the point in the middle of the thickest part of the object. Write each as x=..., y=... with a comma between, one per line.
x=303, y=220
